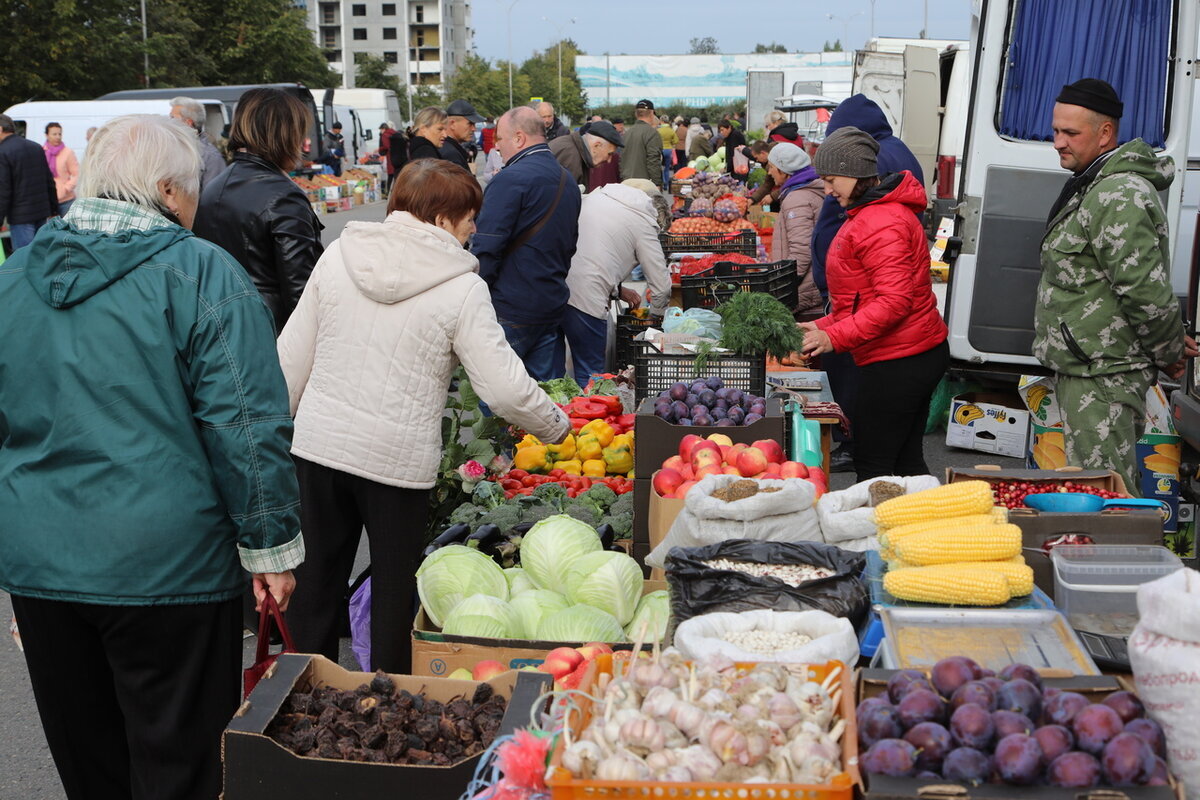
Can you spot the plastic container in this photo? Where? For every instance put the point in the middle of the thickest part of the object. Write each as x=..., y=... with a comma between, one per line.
x=725, y=278
x=628, y=326
x=1095, y=585
x=744, y=242
x=655, y=371
x=1065, y=502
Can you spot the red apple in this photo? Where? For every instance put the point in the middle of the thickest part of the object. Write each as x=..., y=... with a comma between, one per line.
x=793, y=469
x=771, y=449
x=487, y=669
x=731, y=470
x=720, y=438
x=674, y=462
x=562, y=661
x=688, y=473
x=703, y=454
x=686, y=444
x=666, y=481
x=724, y=452
x=816, y=474
x=592, y=649
x=751, y=462
x=734, y=452
x=682, y=491
x=708, y=469
x=772, y=471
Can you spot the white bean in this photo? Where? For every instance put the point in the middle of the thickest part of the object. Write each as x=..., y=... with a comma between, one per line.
x=791, y=574
x=766, y=642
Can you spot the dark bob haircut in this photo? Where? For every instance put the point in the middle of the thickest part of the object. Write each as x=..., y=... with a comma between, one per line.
x=272, y=125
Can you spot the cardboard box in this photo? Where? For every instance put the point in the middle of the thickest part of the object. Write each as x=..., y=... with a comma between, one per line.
x=990, y=422
x=436, y=653
x=256, y=766
x=641, y=517
x=662, y=513
x=658, y=440
x=1099, y=478
x=873, y=682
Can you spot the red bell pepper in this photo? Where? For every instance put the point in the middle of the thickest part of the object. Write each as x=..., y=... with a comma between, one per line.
x=611, y=402
x=587, y=408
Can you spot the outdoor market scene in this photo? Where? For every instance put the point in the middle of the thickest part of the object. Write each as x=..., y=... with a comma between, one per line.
x=815, y=420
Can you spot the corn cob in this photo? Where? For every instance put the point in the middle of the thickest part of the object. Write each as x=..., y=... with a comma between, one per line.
x=1015, y=570
x=949, y=584
x=891, y=536
x=988, y=542
x=952, y=500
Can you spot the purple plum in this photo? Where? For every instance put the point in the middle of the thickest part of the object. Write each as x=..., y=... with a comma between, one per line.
x=1018, y=759
x=976, y=692
x=921, y=705
x=899, y=683
x=1022, y=671
x=1076, y=770
x=1054, y=741
x=1021, y=696
x=1094, y=726
x=894, y=757
x=972, y=726
x=1126, y=704
x=933, y=743
x=1007, y=722
x=967, y=765
x=1151, y=732
x=878, y=723
x=1060, y=709
x=1127, y=760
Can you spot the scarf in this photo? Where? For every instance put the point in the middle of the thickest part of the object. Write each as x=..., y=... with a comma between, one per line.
x=804, y=176
x=52, y=152
x=1077, y=183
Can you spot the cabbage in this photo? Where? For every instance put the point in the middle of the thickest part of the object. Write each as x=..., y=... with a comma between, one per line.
x=581, y=624
x=518, y=581
x=550, y=548
x=608, y=581
x=454, y=572
x=654, y=610
x=484, y=616
x=532, y=607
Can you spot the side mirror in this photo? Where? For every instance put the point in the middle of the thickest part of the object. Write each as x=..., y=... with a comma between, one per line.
x=367, y=136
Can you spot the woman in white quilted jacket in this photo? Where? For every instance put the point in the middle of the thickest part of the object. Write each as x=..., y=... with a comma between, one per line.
x=391, y=308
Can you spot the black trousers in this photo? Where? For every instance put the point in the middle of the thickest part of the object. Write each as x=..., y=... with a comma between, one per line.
x=334, y=508
x=890, y=412
x=133, y=699
x=843, y=384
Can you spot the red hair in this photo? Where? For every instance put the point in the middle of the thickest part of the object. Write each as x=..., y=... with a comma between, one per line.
x=429, y=188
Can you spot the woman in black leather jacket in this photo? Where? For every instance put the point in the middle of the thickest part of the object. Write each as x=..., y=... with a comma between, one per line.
x=254, y=210
x=427, y=133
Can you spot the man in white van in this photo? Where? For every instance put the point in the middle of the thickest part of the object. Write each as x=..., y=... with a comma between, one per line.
x=1106, y=320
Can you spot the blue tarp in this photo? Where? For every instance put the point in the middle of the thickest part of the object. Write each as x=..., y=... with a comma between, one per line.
x=1056, y=42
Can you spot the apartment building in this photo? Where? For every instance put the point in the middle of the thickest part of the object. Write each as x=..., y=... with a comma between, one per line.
x=425, y=40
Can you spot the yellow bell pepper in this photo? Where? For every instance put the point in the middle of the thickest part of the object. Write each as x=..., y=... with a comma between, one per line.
x=531, y=458
x=601, y=429
x=588, y=447
x=564, y=451
x=529, y=441
x=572, y=467
x=618, y=456
x=594, y=468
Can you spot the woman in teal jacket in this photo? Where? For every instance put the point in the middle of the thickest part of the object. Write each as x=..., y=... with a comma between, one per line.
x=144, y=471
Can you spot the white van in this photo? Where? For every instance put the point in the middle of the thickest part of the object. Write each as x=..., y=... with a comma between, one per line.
x=352, y=129
x=374, y=107
x=76, y=116
x=1010, y=171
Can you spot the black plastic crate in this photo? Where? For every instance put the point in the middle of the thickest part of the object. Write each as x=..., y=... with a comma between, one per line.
x=744, y=242
x=628, y=326
x=725, y=278
x=654, y=371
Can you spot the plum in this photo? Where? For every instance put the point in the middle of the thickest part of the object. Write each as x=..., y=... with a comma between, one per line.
x=877, y=723
x=678, y=391
x=721, y=404
x=992, y=683
x=758, y=408
x=736, y=415
x=1159, y=775
x=726, y=422
x=1093, y=726
x=697, y=386
x=735, y=397
x=703, y=420
x=897, y=685
x=692, y=400
x=665, y=413
x=681, y=409
x=972, y=726
x=708, y=397
x=1127, y=760
x=984, y=672
x=1054, y=740
x=894, y=757
x=722, y=392
x=976, y=692
x=967, y=765
x=699, y=410
x=750, y=419
x=926, y=775
x=718, y=414
x=1007, y=722
x=1061, y=708
x=950, y=673
x=932, y=741
x=684, y=421
x=1022, y=671
x=921, y=705
x=1050, y=691
x=1150, y=731
x=1126, y=704
x=1018, y=759
x=1021, y=696
x=1075, y=770
x=714, y=383
x=870, y=702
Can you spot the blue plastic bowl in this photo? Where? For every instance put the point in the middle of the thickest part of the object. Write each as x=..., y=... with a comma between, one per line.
x=1065, y=502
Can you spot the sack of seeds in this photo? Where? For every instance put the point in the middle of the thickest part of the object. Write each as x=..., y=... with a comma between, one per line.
x=788, y=637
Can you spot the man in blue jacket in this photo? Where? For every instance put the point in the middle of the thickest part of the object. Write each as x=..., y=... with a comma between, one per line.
x=894, y=156
x=525, y=238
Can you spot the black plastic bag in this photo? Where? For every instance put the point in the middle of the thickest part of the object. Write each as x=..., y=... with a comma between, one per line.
x=697, y=588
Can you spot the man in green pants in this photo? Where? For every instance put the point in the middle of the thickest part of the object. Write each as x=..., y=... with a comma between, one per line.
x=1106, y=320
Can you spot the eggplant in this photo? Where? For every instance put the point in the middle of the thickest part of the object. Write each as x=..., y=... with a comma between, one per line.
x=452, y=535
x=522, y=528
x=607, y=536
x=485, y=536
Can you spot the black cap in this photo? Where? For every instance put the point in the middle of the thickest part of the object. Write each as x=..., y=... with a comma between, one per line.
x=618, y=121
x=645, y=104
x=461, y=108
x=1094, y=94
x=606, y=131
x=337, y=126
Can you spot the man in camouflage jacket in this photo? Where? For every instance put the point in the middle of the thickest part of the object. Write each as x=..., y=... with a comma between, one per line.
x=1106, y=320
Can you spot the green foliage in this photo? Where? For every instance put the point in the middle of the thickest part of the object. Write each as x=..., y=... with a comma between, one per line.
x=836, y=47
x=755, y=322
x=706, y=45
x=485, y=85
x=773, y=47
x=466, y=514
x=542, y=72
x=372, y=72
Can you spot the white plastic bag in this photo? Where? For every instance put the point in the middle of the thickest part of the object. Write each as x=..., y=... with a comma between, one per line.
x=787, y=515
x=1164, y=651
x=846, y=516
x=833, y=637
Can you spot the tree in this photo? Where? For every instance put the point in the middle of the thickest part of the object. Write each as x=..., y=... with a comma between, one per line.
x=481, y=85
x=773, y=47
x=704, y=46
x=836, y=47
x=542, y=72
x=261, y=41
x=372, y=72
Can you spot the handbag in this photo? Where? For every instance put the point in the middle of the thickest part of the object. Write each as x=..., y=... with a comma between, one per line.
x=262, y=659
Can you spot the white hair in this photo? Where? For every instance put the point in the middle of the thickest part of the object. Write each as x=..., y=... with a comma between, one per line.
x=590, y=138
x=191, y=111
x=129, y=156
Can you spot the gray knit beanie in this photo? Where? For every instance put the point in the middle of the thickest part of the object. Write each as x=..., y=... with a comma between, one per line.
x=848, y=152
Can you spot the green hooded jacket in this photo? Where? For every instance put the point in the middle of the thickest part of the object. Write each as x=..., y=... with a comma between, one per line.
x=144, y=426
x=1104, y=302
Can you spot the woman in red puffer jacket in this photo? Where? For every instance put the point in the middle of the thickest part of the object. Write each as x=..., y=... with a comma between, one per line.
x=884, y=311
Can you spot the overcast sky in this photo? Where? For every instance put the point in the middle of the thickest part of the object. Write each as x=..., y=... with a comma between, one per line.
x=652, y=27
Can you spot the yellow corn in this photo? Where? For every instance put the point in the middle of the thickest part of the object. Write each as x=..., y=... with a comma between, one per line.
x=949, y=584
x=952, y=500
x=1018, y=574
x=893, y=535
x=988, y=542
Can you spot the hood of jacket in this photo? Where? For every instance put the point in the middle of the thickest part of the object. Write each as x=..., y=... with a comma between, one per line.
x=1137, y=157
x=401, y=257
x=786, y=130
x=634, y=199
x=859, y=111
x=896, y=187
x=66, y=266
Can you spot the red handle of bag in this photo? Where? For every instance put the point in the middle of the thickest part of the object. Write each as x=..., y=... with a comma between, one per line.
x=268, y=613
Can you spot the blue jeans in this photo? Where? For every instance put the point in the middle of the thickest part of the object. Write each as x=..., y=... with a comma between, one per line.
x=535, y=344
x=22, y=233
x=587, y=336
x=667, y=154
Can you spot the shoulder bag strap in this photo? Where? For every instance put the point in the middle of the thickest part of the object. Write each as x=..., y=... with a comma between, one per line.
x=530, y=232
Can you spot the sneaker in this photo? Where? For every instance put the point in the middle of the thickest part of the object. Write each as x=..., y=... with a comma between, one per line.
x=841, y=461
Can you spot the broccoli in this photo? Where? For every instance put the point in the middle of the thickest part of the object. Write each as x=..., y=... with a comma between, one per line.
x=620, y=516
x=488, y=494
x=584, y=512
x=466, y=513
x=623, y=504
x=599, y=497
x=536, y=512
x=552, y=494
x=503, y=517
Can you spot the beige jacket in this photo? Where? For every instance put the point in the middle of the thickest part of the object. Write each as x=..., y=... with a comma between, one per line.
x=390, y=310
x=793, y=238
x=68, y=174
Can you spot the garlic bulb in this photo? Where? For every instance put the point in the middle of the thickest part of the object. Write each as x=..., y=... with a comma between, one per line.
x=581, y=758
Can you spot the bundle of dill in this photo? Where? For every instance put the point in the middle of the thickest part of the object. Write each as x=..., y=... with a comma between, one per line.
x=755, y=322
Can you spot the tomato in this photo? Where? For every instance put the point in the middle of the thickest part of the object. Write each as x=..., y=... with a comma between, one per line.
x=529, y=480
x=572, y=492
x=556, y=474
x=517, y=474
x=508, y=484
x=508, y=494
x=527, y=491
x=587, y=482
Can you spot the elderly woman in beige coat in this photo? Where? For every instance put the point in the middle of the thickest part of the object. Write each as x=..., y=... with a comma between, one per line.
x=801, y=194
x=390, y=310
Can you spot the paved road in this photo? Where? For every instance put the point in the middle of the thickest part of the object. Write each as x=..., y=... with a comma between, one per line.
x=372, y=212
